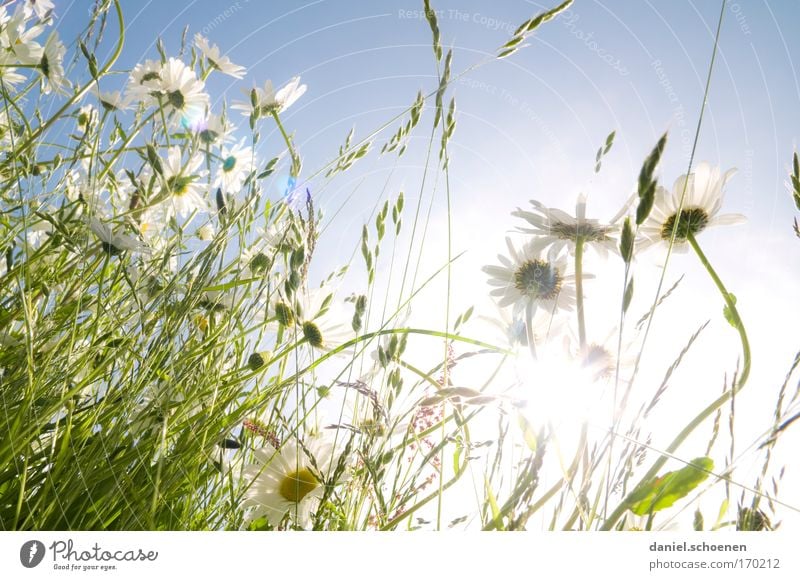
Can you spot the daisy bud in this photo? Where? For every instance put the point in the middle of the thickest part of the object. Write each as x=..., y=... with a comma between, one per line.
x=284, y=314
x=206, y=232
x=258, y=359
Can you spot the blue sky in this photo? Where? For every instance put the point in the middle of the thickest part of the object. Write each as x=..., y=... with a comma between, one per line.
x=529, y=126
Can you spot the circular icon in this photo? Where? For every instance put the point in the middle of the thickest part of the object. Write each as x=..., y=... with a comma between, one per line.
x=31, y=553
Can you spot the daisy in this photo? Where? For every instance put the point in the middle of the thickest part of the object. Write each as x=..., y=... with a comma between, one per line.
x=222, y=63
x=237, y=164
x=42, y=8
x=212, y=129
x=510, y=329
x=322, y=322
x=114, y=244
x=11, y=78
x=19, y=40
x=290, y=480
x=183, y=188
x=87, y=117
x=701, y=206
x=256, y=260
x=140, y=88
x=51, y=65
x=267, y=100
x=111, y=101
x=530, y=278
x=562, y=230
x=206, y=232
x=180, y=89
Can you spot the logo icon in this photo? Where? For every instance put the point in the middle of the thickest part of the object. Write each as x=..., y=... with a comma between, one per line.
x=31, y=553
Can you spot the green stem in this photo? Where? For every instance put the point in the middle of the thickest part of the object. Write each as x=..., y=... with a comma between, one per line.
x=579, y=242
x=530, y=308
x=292, y=152
x=721, y=400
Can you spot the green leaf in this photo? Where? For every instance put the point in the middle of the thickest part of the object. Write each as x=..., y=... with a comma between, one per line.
x=626, y=241
x=698, y=520
x=728, y=313
x=497, y=516
x=662, y=492
x=626, y=300
x=527, y=432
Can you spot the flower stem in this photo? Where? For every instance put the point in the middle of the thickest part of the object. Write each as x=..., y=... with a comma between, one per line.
x=295, y=171
x=579, y=242
x=530, y=308
x=739, y=383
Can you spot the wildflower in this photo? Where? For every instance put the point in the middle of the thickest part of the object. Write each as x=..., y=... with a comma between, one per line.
x=530, y=278
x=42, y=8
x=114, y=244
x=237, y=164
x=206, y=232
x=51, y=65
x=140, y=88
x=8, y=73
x=560, y=229
x=180, y=89
x=268, y=101
x=212, y=129
x=511, y=329
x=322, y=322
x=183, y=186
x=87, y=117
x=111, y=101
x=701, y=206
x=19, y=41
x=290, y=480
x=222, y=63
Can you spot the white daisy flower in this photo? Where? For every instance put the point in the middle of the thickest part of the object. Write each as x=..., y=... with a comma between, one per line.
x=140, y=87
x=530, y=279
x=153, y=222
x=42, y=8
x=11, y=78
x=51, y=65
x=114, y=244
x=288, y=481
x=181, y=89
x=19, y=41
x=269, y=101
x=237, y=164
x=512, y=333
x=212, y=129
x=562, y=230
x=322, y=322
x=701, y=206
x=206, y=232
x=219, y=62
x=184, y=189
x=86, y=117
x=111, y=101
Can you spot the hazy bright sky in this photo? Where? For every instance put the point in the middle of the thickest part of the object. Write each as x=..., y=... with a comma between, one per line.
x=529, y=126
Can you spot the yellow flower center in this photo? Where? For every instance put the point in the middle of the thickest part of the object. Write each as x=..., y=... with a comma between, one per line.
x=298, y=484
